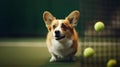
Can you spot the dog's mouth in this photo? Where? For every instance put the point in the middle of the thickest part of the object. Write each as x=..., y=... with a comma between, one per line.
x=60, y=37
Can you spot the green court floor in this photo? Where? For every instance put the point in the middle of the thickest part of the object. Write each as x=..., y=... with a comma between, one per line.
x=35, y=54
x=31, y=54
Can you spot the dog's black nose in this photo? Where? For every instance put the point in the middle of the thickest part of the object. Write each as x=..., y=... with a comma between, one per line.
x=57, y=33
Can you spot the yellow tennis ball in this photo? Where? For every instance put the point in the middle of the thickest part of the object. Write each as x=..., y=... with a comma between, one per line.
x=111, y=63
x=88, y=52
x=99, y=26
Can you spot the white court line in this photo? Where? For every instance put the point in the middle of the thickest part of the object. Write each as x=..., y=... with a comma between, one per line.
x=23, y=44
x=43, y=44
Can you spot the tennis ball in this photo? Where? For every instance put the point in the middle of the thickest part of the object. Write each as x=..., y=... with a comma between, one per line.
x=111, y=63
x=99, y=26
x=88, y=52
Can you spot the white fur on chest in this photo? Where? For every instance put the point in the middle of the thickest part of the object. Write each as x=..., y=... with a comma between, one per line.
x=62, y=45
x=62, y=48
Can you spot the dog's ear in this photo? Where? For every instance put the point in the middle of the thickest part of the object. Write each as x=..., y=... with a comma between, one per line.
x=48, y=18
x=73, y=17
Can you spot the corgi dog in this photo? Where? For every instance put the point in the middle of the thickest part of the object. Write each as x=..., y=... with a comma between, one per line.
x=62, y=38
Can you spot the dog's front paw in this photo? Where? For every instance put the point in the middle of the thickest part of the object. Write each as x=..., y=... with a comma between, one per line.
x=60, y=57
x=53, y=59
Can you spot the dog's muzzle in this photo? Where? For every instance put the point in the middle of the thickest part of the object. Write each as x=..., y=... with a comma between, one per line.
x=58, y=35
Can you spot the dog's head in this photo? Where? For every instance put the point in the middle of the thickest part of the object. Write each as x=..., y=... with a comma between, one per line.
x=61, y=28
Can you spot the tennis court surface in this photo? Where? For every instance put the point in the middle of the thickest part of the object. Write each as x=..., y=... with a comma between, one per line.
x=35, y=54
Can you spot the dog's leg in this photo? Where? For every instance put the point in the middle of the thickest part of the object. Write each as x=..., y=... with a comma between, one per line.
x=53, y=58
x=73, y=58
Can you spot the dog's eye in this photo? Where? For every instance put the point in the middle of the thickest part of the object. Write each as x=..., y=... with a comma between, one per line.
x=63, y=26
x=54, y=26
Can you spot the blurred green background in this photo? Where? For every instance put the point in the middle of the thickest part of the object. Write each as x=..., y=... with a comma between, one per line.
x=23, y=32
x=23, y=18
